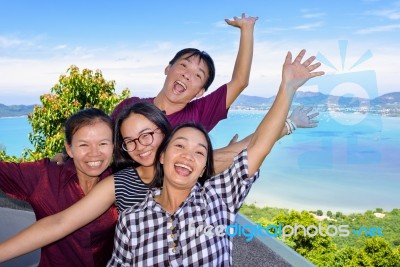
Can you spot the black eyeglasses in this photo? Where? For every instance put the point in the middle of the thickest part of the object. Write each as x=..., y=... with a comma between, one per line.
x=144, y=139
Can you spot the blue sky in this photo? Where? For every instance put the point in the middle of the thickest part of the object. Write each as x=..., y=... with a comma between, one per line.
x=131, y=42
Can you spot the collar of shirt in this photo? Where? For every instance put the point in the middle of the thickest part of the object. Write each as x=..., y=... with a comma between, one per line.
x=150, y=203
x=68, y=172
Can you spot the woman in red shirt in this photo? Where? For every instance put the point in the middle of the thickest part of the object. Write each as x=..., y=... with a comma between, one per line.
x=51, y=188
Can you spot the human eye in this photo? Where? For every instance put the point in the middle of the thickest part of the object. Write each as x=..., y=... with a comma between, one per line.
x=104, y=143
x=201, y=153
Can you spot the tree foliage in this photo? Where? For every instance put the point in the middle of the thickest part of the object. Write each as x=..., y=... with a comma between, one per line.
x=75, y=91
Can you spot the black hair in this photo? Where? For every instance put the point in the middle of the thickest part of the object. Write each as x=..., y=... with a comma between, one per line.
x=83, y=118
x=209, y=168
x=151, y=112
x=203, y=56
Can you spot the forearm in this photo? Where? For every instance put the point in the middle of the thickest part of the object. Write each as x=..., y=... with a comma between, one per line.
x=223, y=157
x=270, y=128
x=241, y=72
x=28, y=240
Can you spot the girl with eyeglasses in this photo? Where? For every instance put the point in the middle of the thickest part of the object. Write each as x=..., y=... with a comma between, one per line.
x=158, y=232
x=139, y=130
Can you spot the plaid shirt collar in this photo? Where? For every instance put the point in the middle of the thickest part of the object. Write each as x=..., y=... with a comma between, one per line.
x=151, y=204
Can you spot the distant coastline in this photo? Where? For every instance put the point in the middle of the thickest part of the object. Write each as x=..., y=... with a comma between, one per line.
x=385, y=105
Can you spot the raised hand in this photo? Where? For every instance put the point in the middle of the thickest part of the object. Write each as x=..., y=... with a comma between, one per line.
x=302, y=119
x=295, y=73
x=242, y=22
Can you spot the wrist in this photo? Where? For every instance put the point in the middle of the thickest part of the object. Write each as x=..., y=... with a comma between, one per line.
x=290, y=126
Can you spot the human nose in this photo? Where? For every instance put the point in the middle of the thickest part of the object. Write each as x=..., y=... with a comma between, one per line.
x=186, y=75
x=94, y=150
x=188, y=155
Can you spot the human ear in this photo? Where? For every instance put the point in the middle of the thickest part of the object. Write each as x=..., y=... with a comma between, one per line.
x=166, y=70
x=201, y=92
x=68, y=149
x=162, y=158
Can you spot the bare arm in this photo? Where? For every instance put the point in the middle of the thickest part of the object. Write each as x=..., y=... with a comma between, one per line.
x=241, y=71
x=59, y=225
x=294, y=75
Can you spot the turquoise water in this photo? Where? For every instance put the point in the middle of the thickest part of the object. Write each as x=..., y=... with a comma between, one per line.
x=14, y=135
x=348, y=163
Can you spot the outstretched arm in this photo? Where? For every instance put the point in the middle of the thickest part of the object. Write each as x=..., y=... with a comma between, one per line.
x=57, y=226
x=294, y=75
x=241, y=71
x=223, y=157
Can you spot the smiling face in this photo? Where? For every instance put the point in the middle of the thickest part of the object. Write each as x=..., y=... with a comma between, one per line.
x=185, y=158
x=185, y=79
x=91, y=149
x=134, y=126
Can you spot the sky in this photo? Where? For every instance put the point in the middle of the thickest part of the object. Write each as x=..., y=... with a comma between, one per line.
x=131, y=42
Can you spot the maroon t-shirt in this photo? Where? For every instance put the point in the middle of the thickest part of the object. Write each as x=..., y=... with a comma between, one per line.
x=207, y=110
x=51, y=188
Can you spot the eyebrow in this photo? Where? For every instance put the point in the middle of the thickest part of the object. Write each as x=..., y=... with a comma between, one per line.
x=142, y=131
x=184, y=138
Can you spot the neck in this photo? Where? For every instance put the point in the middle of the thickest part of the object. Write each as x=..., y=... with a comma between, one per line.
x=146, y=174
x=87, y=184
x=170, y=199
x=164, y=104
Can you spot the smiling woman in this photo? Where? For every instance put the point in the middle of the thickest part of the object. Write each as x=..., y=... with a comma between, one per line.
x=50, y=188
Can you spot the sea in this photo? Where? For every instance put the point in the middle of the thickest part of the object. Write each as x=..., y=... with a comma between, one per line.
x=349, y=163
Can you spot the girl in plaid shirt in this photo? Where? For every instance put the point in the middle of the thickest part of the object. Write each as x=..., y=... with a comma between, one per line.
x=159, y=231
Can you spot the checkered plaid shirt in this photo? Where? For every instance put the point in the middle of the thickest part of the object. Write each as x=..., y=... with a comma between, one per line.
x=147, y=235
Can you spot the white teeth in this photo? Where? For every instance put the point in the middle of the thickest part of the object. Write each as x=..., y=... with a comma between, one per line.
x=94, y=163
x=183, y=166
x=145, y=153
x=182, y=84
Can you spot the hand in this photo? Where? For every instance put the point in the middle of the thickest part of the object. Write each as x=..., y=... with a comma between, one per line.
x=242, y=22
x=295, y=73
x=301, y=118
x=234, y=139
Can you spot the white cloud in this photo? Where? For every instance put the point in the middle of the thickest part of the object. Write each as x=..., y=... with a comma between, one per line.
x=140, y=67
x=384, y=28
x=309, y=26
x=392, y=14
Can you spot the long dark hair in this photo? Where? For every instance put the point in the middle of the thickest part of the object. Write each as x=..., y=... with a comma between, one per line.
x=148, y=110
x=209, y=168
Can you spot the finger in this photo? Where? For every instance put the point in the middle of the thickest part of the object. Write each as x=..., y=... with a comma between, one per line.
x=300, y=56
x=317, y=73
x=309, y=61
x=306, y=110
x=314, y=66
x=235, y=18
x=234, y=139
x=313, y=115
x=288, y=58
x=298, y=108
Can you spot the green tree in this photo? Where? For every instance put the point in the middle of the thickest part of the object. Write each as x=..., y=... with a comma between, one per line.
x=329, y=214
x=380, y=252
x=320, y=212
x=316, y=247
x=75, y=91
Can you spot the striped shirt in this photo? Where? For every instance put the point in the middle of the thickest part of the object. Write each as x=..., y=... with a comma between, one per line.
x=147, y=235
x=129, y=188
